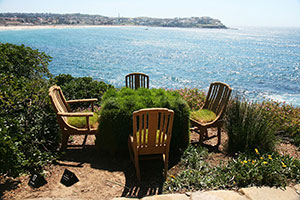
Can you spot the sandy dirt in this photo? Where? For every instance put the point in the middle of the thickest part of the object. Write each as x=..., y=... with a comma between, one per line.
x=103, y=177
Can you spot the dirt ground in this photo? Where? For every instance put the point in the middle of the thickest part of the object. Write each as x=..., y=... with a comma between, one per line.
x=103, y=177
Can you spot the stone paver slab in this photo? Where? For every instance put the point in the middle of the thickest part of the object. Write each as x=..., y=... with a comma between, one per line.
x=167, y=197
x=226, y=195
x=267, y=193
x=202, y=196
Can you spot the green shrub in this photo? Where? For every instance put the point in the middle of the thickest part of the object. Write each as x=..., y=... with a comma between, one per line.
x=243, y=171
x=81, y=88
x=249, y=127
x=287, y=119
x=115, y=123
x=29, y=131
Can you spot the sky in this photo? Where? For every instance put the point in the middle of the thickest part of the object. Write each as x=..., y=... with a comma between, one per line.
x=232, y=13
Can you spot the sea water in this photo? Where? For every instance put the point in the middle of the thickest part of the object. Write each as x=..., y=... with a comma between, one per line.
x=258, y=62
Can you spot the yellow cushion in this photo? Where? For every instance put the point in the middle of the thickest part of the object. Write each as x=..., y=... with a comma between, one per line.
x=203, y=115
x=146, y=136
x=80, y=122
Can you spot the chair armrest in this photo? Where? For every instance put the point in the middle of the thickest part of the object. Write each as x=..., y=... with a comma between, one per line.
x=82, y=100
x=76, y=114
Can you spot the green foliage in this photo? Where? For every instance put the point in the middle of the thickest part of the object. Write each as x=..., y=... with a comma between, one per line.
x=252, y=170
x=81, y=88
x=194, y=97
x=28, y=126
x=203, y=115
x=115, y=123
x=23, y=61
x=249, y=127
x=287, y=119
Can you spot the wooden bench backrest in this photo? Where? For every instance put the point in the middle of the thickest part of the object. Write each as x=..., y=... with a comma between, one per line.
x=58, y=101
x=137, y=80
x=152, y=129
x=217, y=97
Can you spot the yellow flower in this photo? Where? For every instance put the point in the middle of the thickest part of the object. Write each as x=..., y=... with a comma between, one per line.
x=261, y=158
x=172, y=176
x=270, y=157
x=283, y=165
x=265, y=162
x=245, y=161
x=256, y=151
x=253, y=161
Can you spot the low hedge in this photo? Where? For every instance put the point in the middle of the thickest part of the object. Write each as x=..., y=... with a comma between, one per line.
x=115, y=123
x=81, y=88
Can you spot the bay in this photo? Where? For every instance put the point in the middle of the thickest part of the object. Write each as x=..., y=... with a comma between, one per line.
x=260, y=62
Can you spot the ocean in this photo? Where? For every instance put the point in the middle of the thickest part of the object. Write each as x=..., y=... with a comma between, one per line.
x=260, y=63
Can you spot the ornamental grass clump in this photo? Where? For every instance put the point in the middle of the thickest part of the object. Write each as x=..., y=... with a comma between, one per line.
x=249, y=126
x=115, y=123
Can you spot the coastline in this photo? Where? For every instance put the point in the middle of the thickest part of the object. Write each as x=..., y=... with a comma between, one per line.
x=20, y=27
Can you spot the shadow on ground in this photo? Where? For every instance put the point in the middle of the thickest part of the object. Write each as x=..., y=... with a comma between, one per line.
x=8, y=185
x=151, y=170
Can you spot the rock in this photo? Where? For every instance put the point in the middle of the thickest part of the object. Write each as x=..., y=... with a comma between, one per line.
x=202, y=196
x=226, y=195
x=267, y=193
x=124, y=198
x=167, y=197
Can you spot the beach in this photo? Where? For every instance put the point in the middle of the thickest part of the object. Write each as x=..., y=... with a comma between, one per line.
x=4, y=28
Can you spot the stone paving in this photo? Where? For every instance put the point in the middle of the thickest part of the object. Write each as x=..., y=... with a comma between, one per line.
x=252, y=193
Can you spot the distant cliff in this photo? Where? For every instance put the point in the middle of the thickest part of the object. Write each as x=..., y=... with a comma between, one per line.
x=30, y=19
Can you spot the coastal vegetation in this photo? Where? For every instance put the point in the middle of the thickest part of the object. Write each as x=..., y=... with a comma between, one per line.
x=29, y=19
x=29, y=134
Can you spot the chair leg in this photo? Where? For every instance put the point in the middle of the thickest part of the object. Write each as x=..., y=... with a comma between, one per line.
x=84, y=141
x=219, y=136
x=64, y=141
x=166, y=162
x=201, y=135
x=205, y=133
x=137, y=167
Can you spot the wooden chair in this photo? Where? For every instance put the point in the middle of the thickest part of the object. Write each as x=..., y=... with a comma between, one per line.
x=216, y=101
x=137, y=80
x=152, y=130
x=63, y=110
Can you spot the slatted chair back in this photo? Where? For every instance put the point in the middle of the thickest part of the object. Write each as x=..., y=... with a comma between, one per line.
x=137, y=80
x=152, y=130
x=59, y=102
x=217, y=98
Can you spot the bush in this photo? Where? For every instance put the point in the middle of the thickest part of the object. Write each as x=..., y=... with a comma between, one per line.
x=287, y=119
x=29, y=131
x=115, y=123
x=249, y=127
x=81, y=88
x=194, y=97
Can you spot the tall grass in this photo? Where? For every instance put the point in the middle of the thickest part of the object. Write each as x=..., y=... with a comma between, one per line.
x=249, y=127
